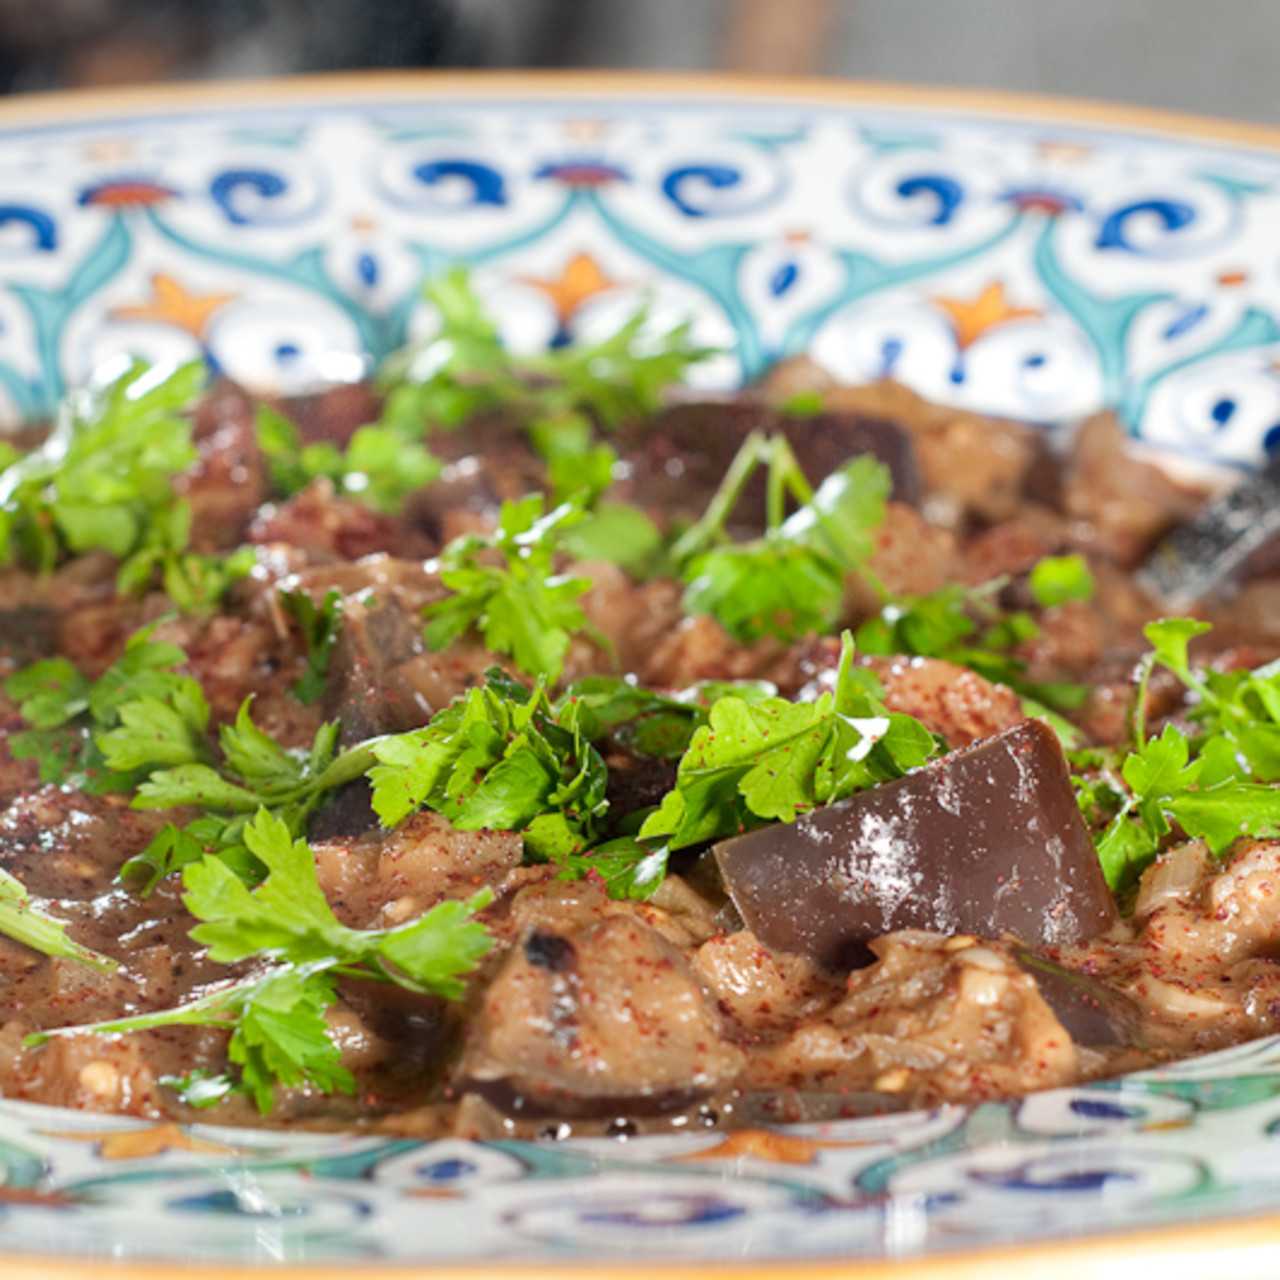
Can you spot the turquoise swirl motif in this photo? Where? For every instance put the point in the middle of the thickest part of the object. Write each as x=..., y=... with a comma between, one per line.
x=51, y=309
x=1107, y=322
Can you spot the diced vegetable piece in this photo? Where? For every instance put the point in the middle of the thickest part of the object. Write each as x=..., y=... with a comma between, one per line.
x=987, y=840
x=678, y=457
x=823, y=441
x=1092, y=1012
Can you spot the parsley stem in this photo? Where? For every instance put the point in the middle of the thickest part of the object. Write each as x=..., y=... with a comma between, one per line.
x=23, y=922
x=785, y=477
x=205, y=1011
x=791, y=478
x=784, y=463
x=353, y=763
x=1138, y=715
x=745, y=462
x=775, y=506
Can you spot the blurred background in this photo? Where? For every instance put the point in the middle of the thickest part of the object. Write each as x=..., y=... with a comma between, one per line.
x=1187, y=54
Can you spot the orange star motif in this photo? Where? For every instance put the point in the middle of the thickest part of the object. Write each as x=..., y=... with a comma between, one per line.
x=108, y=150
x=580, y=281
x=761, y=1144
x=1059, y=149
x=143, y=1144
x=172, y=304
x=585, y=128
x=971, y=320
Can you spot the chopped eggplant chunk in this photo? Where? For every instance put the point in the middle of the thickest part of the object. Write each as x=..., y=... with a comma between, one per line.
x=608, y=1018
x=678, y=458
x=988, y=840
x=1093, y=1012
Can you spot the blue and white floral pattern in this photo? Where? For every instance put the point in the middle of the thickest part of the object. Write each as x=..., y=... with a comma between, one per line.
x=1014, y=267
x=1190, y=1143
x=1009, y=266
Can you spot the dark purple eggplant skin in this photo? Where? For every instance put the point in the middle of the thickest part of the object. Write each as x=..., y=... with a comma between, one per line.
x=1092, y=1012
x=677, y=458
x=988, y=840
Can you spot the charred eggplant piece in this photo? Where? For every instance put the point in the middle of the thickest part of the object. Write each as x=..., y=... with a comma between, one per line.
x=373, y=638
x=677, y=459
x=822, y=442
x=609, y=1020
x=530, y=1099
x=27, y=633
x=1092, y=1012
x=988, y=840
x=363, y=695
x=1207, y=555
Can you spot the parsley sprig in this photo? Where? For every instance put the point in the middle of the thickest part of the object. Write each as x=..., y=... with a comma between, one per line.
x=770, y=760
x=73, y=722
x=195, y=582
x=252, y=772
x=1162, y=783
x=500, y=757
x=792, y=579
x=381, y=465
x=320, y=625
x=103, y=481
x=464, y=369
x=23, y=921
x=562, y=398
x=144, y=727
x=1214, y=784
x=80, y=729
x=646, y=721
x=968, y=627
x=278, y=1029
x=103, y=478
x=506, y=586
x=507, y=757
x=1237, y=713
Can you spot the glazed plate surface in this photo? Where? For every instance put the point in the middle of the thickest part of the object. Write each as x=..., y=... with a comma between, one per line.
x=1018, y=257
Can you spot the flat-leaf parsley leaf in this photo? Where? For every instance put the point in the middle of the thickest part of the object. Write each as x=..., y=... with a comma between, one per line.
x=278, y=1028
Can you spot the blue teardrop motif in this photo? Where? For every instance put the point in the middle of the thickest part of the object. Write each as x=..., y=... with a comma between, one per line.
x=785, y=276
x=1187, y=320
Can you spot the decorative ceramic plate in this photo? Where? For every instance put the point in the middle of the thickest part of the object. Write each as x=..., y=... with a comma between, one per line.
x=1018, y=257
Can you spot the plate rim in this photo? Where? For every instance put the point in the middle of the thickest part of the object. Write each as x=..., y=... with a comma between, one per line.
x=65, y=106
x=1181, y=1250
